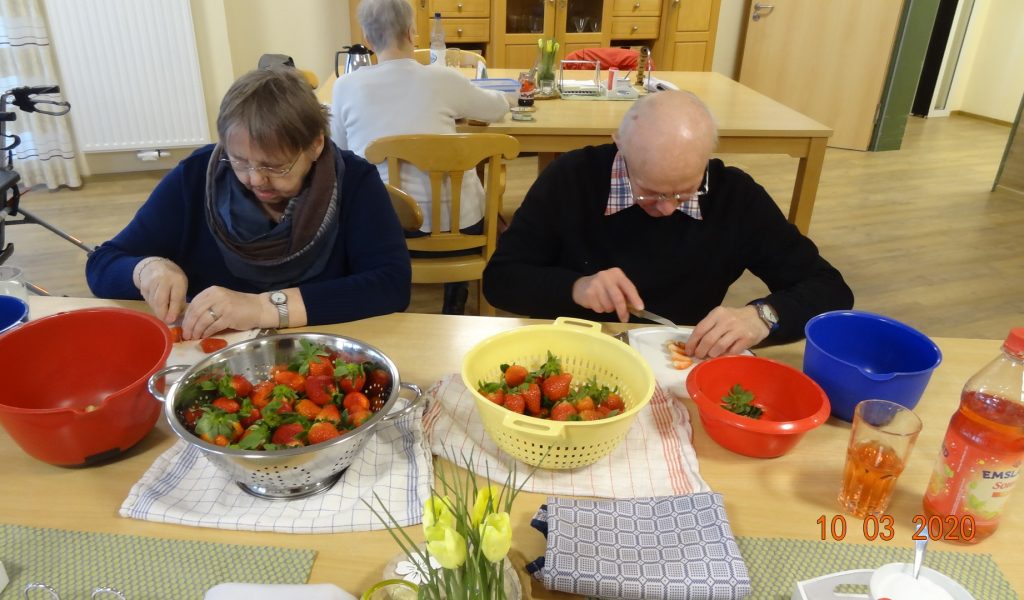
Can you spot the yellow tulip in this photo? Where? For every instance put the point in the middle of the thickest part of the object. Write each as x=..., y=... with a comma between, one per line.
x=437, y=511
x=496, y=536
x=447, y=546
x=540, y=43
x=486, y=502
x=550, y=42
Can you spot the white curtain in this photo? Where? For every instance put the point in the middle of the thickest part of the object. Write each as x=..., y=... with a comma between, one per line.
x=46, y=154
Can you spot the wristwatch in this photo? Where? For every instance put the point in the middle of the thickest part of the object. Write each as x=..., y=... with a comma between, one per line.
x=280, y=300
x=767, y=314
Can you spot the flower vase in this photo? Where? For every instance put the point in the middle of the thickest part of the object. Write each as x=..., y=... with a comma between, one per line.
x=400, y=567
x=546, y=85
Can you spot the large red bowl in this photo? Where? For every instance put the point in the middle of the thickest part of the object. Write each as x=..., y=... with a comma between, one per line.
x=793, y=404
x=74, y=383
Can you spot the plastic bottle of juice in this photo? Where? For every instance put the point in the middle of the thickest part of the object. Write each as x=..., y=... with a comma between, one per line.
x=437, y=47
x=981, y=455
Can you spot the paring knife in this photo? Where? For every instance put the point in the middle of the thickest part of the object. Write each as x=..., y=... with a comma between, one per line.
x=646, y=314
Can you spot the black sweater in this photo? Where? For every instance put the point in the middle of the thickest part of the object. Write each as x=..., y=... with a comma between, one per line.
x=681, y=267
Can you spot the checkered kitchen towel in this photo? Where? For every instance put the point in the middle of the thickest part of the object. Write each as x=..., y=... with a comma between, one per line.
x=656, y=458
x=183, y=487
x=669, y=548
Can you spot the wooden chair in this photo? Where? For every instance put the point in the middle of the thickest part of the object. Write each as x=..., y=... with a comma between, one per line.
x=409, y=213
x=467, y=58
x=449, y=156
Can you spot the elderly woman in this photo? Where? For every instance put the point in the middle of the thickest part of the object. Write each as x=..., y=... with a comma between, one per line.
x=400, y=96
x=272, y=227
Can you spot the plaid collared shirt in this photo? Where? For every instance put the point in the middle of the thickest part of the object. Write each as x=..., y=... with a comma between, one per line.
x=620, y=196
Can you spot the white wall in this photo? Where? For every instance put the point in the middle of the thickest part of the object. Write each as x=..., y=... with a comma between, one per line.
x=729, y=39
x=990, y=76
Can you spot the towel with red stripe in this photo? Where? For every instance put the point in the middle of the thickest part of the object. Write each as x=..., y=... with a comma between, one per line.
x=655, y=459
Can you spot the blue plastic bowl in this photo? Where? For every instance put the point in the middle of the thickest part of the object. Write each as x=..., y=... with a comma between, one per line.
x=855, y=355
x=13, y=312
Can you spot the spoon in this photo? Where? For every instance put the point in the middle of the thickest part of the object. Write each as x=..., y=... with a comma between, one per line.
x=919, y=546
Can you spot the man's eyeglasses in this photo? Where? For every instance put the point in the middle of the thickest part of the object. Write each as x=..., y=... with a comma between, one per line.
x=242, y=168
x=677, y=198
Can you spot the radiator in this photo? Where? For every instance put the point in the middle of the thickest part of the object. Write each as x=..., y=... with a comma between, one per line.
x=131, y=72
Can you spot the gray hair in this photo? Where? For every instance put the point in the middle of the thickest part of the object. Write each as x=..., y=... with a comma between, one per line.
x=385, y=22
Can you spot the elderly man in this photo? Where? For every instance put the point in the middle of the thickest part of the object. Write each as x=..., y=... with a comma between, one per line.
x=652, y=221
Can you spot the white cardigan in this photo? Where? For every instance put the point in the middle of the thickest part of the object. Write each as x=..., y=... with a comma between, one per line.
x=398, y=97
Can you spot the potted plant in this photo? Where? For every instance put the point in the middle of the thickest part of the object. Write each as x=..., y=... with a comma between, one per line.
x=547, y=50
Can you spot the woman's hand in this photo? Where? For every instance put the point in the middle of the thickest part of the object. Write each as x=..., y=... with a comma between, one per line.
x=163, y=285
x=726, y=331
x=216, y=308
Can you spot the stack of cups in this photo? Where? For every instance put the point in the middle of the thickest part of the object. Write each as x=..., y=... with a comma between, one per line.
x=13, y=298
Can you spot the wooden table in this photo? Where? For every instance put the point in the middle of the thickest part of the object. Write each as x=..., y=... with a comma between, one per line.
x=782, y=497
x=748, y=122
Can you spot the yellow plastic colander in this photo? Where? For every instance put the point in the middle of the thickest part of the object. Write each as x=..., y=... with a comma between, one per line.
x=585, y=352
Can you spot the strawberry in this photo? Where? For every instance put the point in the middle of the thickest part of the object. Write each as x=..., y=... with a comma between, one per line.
x=191, y=415
x=359, y=417
x=614, y=402
x=515, y=403
x=351, y=376
x=241, y=386
x=514, y=374
x=287, y=433
x=312, y=359
x=563, y=411
x=261, y=393
x=307, y=408
x=589, y=415
x=226, y=404
x=212, y=344
x=176, y=334
x=492, y=391
x=584, y=403
x=329, y=413
x=355, y=402
x=556, y=387
x=321, y=432
x=532, y=397
x=320, y=389
x=250, y=416
x=291, y=379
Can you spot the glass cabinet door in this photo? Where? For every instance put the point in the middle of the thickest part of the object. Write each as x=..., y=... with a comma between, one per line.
x=520, y=23
x=525, y=16
x=581, y=23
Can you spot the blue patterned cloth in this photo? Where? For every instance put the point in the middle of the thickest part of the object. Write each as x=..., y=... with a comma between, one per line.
x=663, y=548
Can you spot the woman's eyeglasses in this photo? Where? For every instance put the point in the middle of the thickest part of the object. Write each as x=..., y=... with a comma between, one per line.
x=242, y=168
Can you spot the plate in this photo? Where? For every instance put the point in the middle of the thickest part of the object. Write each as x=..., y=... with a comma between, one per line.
x=189, y=353
x=651, y=343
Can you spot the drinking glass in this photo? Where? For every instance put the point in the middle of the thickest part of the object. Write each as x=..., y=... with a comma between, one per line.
x=581, y=24
x=882, y=437
x=11, y=282
x=453, y=57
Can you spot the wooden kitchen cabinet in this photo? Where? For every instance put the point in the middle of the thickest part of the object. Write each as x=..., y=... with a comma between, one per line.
x=680, y=33
x=687, y=41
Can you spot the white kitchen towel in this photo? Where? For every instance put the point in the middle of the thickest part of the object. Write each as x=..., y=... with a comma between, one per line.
x=183, y=487
x=656, y=458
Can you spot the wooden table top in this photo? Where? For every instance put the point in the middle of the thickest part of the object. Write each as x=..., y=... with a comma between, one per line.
x=781, y=497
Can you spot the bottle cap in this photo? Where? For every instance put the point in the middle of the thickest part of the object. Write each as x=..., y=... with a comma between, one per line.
x=1014, y=343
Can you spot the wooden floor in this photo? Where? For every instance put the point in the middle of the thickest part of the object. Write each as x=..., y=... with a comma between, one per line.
x=916, y=232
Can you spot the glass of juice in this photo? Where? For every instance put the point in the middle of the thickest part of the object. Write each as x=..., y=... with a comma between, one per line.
x=882, y=437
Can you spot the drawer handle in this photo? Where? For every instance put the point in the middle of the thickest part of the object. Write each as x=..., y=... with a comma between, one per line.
x=459, y=31
x=637, y=5
x=636, y=28
x=459, y=6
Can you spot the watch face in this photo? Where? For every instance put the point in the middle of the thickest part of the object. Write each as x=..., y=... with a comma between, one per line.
x=278, y=297
x=767, y=313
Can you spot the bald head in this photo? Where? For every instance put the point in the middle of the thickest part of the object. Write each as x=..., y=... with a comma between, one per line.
x=663, y=130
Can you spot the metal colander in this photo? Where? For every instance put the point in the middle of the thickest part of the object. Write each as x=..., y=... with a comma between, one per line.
x=294, y=472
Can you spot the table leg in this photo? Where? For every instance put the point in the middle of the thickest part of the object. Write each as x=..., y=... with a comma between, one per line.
x=808, y=174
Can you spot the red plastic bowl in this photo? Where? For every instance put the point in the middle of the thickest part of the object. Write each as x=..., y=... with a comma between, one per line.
x=793, y=404
x=74, y=390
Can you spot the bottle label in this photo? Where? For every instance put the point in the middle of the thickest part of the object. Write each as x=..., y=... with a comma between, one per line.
x=971, y=480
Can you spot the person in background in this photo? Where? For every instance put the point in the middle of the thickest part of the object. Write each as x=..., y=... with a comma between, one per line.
x=652, y=221
x=399, y=96
x=273, y=226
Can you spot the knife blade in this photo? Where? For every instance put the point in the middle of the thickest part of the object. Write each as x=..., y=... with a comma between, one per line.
x=646, y=314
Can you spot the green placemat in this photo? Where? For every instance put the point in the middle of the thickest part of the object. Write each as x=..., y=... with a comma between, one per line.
x=776, y=564
x=76, y=562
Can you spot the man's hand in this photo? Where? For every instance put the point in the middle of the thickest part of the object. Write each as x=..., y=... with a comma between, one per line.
x=216, y=308
x=726, y=331
x=607, y=291
x=163, y=285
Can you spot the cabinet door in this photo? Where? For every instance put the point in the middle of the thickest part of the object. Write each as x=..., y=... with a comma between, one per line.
x=693, y=15
x=688, y=32
x=516, y=27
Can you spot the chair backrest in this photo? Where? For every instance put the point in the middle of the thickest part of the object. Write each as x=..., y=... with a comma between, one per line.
x=467, y=58
x=449, y=156
x=622, y=59
x=409, y=213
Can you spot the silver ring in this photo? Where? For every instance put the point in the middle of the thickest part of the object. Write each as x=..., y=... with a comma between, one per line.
x=212, y=314
x=40, y=586
x=107, y=590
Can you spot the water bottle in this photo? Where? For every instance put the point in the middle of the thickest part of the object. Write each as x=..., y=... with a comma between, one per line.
x=437, y=49
x=981, y=454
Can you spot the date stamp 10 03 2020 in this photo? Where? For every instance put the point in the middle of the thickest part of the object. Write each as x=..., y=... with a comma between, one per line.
x=953, y=528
